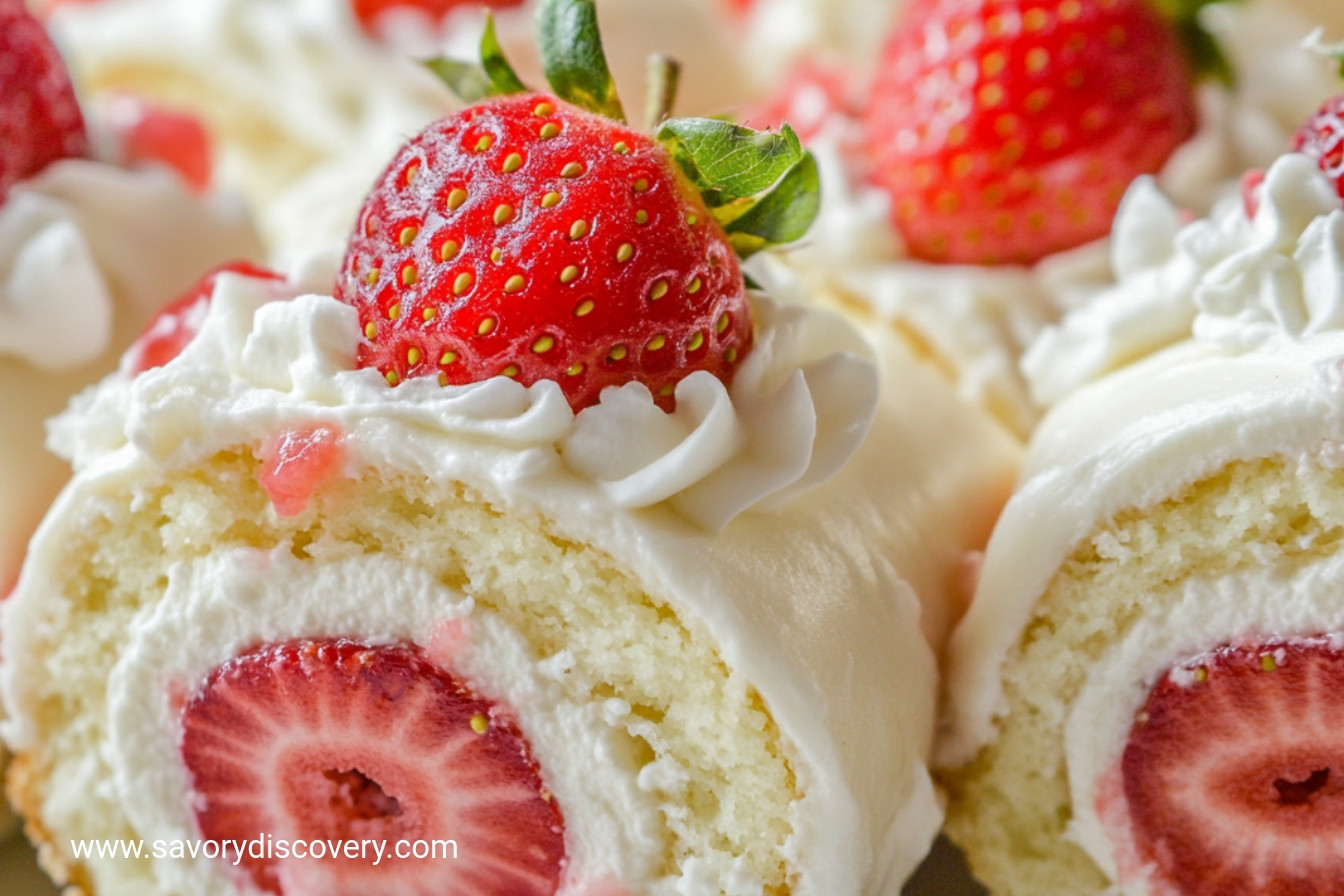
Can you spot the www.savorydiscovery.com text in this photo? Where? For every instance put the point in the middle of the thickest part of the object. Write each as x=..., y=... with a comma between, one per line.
x=266, y=847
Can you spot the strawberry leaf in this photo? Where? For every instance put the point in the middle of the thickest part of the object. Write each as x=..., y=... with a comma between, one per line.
x=466, y=80
x=471, y=82
x=782, y=215
x=1201, y=47
x=1335, y=52
x=727, y=161
x=573, y=59
x=502, y=76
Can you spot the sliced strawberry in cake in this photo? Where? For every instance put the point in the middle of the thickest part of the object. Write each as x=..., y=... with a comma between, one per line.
x=335, y=741
x=1233, y=773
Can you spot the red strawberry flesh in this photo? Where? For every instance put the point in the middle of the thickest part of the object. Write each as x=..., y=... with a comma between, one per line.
x=177, y=323
x=336, y=740
x=40, y=121
x=1322, y=138
x=368, y=11
x=1007, y=131
x=296, y=462
x=526, y=237
x=1234, y=772
x=152, y=133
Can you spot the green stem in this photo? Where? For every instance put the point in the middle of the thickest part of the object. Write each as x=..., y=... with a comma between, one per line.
x=664, y=74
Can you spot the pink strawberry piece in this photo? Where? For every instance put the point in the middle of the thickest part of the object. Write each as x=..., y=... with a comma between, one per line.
x=1007, y=131
x=40, y=120
x=1234, y=772
x=297, y=462
x=529, y=238
x=152, y=133
x=740, y=8
x=368, y=11
x=178, y=322
x=1322, y=138
x=334, y=740
x=1251, y=182
x=52, y=5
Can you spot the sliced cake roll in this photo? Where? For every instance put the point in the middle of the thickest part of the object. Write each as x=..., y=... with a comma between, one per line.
x=1144, y=696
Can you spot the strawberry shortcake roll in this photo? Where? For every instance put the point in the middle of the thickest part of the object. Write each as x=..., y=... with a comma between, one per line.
x=89, y=250
x=542, y=541
x=1144, y=696
x=89, y=247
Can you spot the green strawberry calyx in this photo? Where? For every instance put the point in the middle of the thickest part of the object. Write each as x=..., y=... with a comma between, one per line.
x=1200, y=45
x=762, y=187
x=1316, y=43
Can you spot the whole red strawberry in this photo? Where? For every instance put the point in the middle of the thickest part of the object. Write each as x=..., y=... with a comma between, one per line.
x=533, y=238
x=1322, y=138
x=40, y=120
x=1006, y=130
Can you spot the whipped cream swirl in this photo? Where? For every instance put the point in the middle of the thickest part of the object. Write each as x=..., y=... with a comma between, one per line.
x=86, y=247
x=48, y=275
x=800, y=405
x=1232, y=279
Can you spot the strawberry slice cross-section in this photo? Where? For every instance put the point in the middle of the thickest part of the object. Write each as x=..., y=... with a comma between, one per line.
x=1234, y=773
x=332, y=740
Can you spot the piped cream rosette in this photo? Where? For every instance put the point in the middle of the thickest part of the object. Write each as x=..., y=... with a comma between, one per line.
x=1162, y=594
x=705, y=625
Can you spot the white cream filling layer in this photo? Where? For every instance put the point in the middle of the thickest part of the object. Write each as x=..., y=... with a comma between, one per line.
x=1257, y=605
x=226, y=604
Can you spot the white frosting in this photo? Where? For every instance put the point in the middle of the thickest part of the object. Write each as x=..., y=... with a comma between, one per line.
x=87, y=253
x=1237, y=280
x=296, y=94
x=1251, y=604
x=810, y=601
x=799, y=407
x=781, y=33
x=1130, y=440
x=48, y=276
